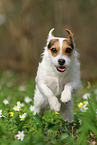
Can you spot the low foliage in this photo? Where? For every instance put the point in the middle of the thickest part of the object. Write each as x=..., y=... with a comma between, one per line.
x=22, y=127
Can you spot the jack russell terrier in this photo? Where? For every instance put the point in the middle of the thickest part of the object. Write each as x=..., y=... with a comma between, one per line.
x=58, y=76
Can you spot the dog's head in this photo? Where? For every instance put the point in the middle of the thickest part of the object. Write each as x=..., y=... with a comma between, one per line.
x=60, y=50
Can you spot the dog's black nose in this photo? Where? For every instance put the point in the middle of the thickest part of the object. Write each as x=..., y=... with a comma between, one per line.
x=61, y=61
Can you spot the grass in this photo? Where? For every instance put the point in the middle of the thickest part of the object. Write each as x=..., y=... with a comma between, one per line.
x=50, y=129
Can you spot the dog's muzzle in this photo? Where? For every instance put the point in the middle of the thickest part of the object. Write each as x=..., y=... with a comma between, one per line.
x=61, y=67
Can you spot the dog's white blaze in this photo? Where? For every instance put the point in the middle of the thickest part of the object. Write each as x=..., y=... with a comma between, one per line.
x=61, y=43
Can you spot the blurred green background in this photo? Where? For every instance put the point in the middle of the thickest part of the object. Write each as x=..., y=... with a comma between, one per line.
x=24, y=26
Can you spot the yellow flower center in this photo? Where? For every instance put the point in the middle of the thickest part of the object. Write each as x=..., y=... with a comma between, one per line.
x=83, y=108
x=21, y=135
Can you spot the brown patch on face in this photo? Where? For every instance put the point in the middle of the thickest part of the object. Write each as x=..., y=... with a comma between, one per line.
x=66, y=48
x=70, y=42
x=54, y=47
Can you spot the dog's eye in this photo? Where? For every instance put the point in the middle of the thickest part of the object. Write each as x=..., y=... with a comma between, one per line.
x=68, y=50
x=54, y=50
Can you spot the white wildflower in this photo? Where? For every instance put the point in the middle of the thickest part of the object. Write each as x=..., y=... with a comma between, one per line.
x=20, y=104
x=16, y=108
x=1, y=114
x=22, y=117
x=20, y=135
x=80, y=121
x=1, y=111
x=5, y=101
x=86, y=96
x=32, y=108
x=27, y=99
x=83, y=108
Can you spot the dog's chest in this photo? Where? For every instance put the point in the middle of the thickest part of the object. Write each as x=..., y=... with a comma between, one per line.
x=56, y=84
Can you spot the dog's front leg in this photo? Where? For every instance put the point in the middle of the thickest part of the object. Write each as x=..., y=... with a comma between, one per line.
x=67, y=92
x=52, y=99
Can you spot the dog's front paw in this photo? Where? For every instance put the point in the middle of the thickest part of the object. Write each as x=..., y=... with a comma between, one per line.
x=66, y=96
x=54, y=104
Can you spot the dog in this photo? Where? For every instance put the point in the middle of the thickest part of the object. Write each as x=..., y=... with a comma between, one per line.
x=58, y=76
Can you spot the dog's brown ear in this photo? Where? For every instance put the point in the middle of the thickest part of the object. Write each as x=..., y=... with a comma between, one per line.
x=70, y=38
x=70, y=34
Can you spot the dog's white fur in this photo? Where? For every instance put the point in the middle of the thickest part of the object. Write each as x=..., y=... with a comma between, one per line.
x=54, y=89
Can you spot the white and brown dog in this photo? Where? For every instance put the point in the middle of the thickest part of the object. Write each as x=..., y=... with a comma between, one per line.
x=57, y=76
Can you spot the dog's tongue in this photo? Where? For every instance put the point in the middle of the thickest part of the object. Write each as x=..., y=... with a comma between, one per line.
x=61, y=69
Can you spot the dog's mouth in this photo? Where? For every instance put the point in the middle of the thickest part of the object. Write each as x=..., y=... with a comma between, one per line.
x=61, y=68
